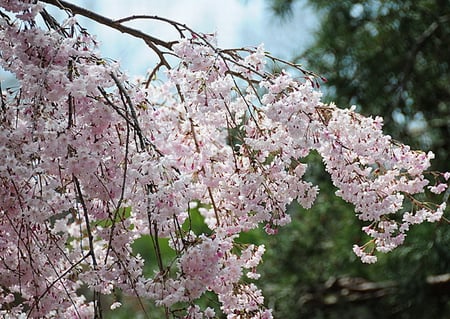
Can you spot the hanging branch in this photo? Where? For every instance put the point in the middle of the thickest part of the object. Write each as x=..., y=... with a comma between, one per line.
x=97, y=302
x=129, y=103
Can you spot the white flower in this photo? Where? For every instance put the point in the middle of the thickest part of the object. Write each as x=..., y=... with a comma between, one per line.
x=115, y=305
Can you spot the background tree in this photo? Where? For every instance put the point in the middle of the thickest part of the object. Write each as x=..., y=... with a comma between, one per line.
x=388, y=57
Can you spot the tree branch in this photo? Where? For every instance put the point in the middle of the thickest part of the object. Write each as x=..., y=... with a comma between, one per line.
x=351, y=289
x=152, y=42
x=418, y=45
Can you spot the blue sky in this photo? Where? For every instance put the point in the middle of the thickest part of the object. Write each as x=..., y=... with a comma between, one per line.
x=237, y=22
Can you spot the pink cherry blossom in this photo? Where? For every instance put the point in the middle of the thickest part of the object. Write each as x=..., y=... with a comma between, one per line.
x=92, y=161
x=438, y=188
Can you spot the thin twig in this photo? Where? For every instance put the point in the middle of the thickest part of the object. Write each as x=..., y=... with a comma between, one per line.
x=36, y=301
x=97, y=302
x=132, y=111
x=122, y=192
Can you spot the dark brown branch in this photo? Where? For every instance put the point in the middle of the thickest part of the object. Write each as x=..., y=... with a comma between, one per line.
x=86, y=218
x=418, y=45
x=132, y=111
x=60, y=277
x=122, y=192
x=132, y=122
x=180, y=27
x=350, y=289
x=116, y=108
x=152, y=42
x=97, y=301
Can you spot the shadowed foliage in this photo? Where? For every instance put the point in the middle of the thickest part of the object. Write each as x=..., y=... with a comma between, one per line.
x=390, y=58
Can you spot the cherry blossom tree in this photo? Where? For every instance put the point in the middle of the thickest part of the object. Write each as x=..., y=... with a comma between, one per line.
x=92, y=160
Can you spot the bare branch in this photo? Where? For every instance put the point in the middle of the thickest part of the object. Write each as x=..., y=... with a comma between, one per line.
x=152, y=42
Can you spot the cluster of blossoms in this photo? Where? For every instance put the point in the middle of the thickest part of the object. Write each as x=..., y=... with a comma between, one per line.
x=90, y=162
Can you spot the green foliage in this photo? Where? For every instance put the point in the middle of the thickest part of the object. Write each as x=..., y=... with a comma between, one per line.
x=315, y=247
x=308, y=255
x=120, y=215
x=389, y=58
x=145, y=247
x=282, y=8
